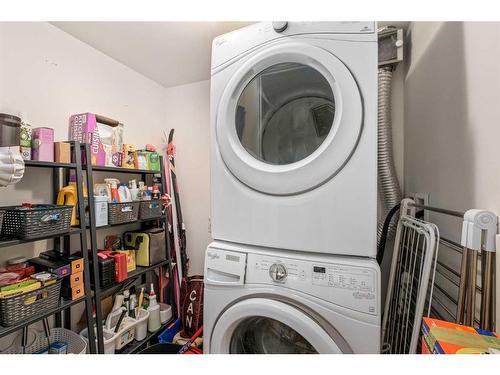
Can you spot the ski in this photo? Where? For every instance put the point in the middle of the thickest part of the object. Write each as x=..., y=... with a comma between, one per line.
x=178, y=221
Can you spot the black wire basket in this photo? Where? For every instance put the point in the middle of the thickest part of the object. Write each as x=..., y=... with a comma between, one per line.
x=24, y=306
x=2, y=214
x=150, y=209
x=40, y=220
x=126, y=212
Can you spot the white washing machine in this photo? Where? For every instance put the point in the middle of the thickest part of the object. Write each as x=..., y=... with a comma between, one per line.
x=294, y=136
x=266, y=301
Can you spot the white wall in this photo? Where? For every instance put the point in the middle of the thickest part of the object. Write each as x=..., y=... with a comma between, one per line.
x=452, y=117
x=50, y=75
x=188, y=111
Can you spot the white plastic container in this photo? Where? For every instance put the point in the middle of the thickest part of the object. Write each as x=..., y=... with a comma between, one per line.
x=109, y=340
x=101, y=211
x=165, y=313
x=124, y=193
x=141, y=326
x=126, y=334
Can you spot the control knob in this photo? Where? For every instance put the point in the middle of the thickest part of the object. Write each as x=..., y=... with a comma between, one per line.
x=280, y=26
x=278, y=272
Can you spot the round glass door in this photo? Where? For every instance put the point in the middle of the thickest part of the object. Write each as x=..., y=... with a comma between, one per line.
x=263, y=325
x=285, y=113
x=288, y=119
x=261, y=335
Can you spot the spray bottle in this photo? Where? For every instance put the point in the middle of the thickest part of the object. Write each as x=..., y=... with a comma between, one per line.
x=154, y=323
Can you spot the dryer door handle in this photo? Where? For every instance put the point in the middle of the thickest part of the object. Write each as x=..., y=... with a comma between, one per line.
x=217, y=277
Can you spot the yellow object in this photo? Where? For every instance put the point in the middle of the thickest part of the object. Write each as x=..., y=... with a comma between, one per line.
x=142, y=252
x=67, y=196
x=128, y=156
x=131, y=266
x=141, y=300
x=18, y=291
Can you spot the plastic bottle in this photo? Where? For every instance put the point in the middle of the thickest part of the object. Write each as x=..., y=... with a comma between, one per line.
x=115, y=196
x=154, y=323
x=124, y=193
x=149, y=193
x=134, y=191
x=141, y=190
x=156, y=192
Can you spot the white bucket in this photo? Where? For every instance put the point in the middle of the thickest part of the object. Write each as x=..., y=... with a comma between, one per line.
x=165, y=313
x=109, y=340
x=141, y=327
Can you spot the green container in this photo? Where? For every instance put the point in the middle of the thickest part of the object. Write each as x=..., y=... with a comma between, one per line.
x=153, y=161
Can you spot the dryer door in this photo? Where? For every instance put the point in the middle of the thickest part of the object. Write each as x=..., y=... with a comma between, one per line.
x=289, y=119
x=267, y=326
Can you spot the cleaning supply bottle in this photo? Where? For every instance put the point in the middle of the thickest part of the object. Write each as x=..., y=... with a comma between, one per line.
x=134, y=191
x=148, y=193
x=68, y=196
x=115, y=196
x=156, y=192
x=141, y=190
x=124, y=193
x=154, y=323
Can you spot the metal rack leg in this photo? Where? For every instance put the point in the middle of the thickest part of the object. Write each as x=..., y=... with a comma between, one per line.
x=462, y=288
x=93, y=246
x=83, y=243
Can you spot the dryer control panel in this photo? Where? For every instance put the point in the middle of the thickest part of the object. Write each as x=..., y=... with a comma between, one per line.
x=345, y=283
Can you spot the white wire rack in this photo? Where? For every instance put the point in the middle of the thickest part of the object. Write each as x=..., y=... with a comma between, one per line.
x=411, y=282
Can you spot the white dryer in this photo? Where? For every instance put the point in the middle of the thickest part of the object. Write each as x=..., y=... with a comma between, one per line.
x=265, y=301
x=294, y=136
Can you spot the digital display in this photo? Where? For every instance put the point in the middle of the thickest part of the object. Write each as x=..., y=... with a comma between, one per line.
x=319, y=269
x=233, y=258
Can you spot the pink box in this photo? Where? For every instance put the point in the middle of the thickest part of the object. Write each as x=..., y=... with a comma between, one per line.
x=42, y=144
x=83, y=128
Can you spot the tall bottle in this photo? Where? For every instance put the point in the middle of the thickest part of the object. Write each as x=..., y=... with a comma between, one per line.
x=115, y=196
x=134, y=191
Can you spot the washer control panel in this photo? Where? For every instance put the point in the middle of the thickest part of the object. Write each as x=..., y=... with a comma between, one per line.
x=343, y=283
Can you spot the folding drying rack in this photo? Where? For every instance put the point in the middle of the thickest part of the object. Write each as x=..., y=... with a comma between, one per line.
x=479, y=230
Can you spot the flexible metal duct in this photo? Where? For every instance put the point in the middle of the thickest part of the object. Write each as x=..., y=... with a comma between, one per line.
x=388, y=185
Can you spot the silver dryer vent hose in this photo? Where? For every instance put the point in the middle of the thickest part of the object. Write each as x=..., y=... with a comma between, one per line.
x=388, y=185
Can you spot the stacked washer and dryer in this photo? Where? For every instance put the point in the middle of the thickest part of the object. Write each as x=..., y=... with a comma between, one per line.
x=293, y=190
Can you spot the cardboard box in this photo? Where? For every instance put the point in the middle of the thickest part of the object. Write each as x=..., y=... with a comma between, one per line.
x=128, y=158
x=72, y=293
x=62, y=152
x=153, y=161
x=42, y=144
x=84, y=128
x=441, y=337
x=75, y=279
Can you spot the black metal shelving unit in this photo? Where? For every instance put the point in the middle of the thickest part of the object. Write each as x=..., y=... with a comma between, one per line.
x=100, y=293
x=93, y=294
x=61, y=244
